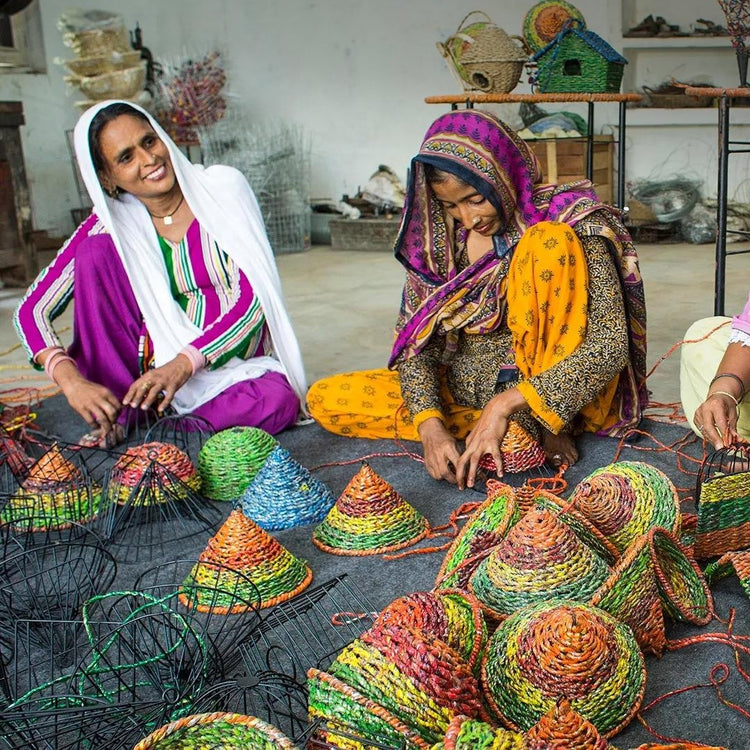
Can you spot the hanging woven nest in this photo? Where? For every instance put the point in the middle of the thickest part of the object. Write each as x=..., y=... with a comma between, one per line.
x=230, y=459
x=562, y=727
x=562, y=649
x=369, y=518
x=284, y=494
x=540, y=558
x=626, y=499
x=241, y=545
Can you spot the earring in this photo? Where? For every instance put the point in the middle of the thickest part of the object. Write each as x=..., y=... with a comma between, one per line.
x=113, y=192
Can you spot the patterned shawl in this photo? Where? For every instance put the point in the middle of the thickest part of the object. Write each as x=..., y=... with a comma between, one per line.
x=489, y=155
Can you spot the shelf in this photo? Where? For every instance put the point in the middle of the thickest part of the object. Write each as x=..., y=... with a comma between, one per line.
x=687, y=116
x=673, y=42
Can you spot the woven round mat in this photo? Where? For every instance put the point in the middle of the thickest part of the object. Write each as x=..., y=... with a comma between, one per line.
x=562, y=727
x=626, y=499
x=230, y=459
x=284, y=494
x=368, y=518
x=485, y=528
x=520, y=452
x=544, y=21
x=241, y=545
x=218, y=731
x=464, y=733
x=562, y=649
x=452, y=616
x=540, y=558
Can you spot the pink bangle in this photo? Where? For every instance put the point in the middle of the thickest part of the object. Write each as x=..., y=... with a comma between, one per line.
x=197, y=360
x=57, y=360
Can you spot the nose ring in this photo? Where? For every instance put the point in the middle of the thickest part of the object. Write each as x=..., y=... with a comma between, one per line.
x=476, y=220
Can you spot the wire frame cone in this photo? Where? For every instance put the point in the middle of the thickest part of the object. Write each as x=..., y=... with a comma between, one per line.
x=562, y=727
x=284, y=494
x=369, y=518
x=223, y=608
x=464, y=733
x=415, y=676
x=55, y=492
x=682, y=587
x=563, y=649
x=626, y=499
x=241, y=545
x=540, y=558
x=485, y=528
x=230, y=459
x=343, y=707
x=454, y=617
x=520, y=452
x=14, y=457
x=187, y=432
x=631, y=595
x=220, y=730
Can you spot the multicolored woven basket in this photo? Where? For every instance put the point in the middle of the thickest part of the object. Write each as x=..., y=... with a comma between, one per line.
x=345, y=708
x=368, y=518
x=54, y=495
x=520, y=452
x=284, y=494
x=562, y=649
x=562, y=727
x=230, y=459
x=682, y=587
x=452, y=616
x=241, y=545
x=737, y=561
x=415, y=676
x=626, y=499
x=143, y=475
x=464, y=733
x=218, y=731
x=631, y=595
x=545, y=20
x=485, y=528
x=540, y=558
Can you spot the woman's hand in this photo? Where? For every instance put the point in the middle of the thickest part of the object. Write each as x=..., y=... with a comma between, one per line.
x=441, y=454
x=159, y=385
x=95, y=403
x=716, y=419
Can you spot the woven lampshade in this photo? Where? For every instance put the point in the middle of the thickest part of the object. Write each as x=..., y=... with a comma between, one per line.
x=539, y=559
x=486, y=527
x=368, y=518
x=54, y=494
x=562, y=649
x=345, y=708
x=739, y=562
x=130, y=479
x=469, y=734
x=230, y=459
x=626, y=499
x=241, y=545
x=454, y=617
x=216, y=730
x=562, y=727
x=414, y=676
x=519, y=450
x=284, y=494
x=631, y=595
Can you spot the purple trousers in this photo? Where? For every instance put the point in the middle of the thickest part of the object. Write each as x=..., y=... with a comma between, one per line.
x=107, y=326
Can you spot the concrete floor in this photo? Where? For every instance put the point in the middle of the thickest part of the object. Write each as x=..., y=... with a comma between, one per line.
x=343, y=305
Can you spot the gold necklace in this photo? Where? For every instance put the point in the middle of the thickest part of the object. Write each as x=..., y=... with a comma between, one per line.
x=167, y=218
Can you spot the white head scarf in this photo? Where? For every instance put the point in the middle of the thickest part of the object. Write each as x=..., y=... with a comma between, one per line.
x=225, y=206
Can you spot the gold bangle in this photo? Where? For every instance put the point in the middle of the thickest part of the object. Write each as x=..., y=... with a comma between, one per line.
x=729, y=395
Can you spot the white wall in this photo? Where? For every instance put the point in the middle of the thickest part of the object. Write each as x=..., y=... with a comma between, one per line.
x=353, y=73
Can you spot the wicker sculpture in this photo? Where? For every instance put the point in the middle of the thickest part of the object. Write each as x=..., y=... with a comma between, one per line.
x=540, y=558
x=241, y=545
x=562, y=727
x=545, y=20
x=230, y=459
x=284, y=494
x=486, y=527
x=369, y=518
x=561, y=649
x=519, y=450
x=626, y=499
x=723, y=494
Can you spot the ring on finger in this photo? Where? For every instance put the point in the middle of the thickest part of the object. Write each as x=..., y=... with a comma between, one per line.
x=146, y=387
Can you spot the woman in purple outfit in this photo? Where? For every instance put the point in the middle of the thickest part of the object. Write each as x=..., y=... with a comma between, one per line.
x=177, y=297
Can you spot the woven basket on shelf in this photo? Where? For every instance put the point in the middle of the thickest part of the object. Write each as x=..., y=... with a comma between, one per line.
x=92, y=42
x=369, y=518
x=675, y=100
x=483, y=56
x=545, y=20
x=216, y=730
x=561, y=649
x=92, y=66
x=486, y=527
x=540, y=558
x=116, y=84
x=562, y=727
x=230, y=459
x=469, y=734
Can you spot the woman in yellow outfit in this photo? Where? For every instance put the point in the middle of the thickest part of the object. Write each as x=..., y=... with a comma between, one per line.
x=523, y=300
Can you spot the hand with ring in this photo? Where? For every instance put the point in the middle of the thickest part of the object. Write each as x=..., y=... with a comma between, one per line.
x=158, y=386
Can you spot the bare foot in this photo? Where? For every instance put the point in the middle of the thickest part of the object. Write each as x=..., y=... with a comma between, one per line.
x=559, y=449
x=95, y=438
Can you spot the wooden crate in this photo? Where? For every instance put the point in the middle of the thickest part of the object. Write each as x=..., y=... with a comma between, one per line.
x=564, y=160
